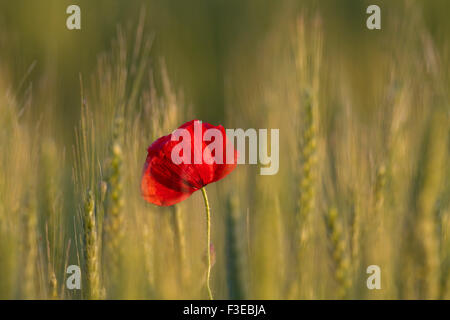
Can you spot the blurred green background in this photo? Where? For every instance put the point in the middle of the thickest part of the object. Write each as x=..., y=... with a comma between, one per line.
x=364, y=130
x=201, y=41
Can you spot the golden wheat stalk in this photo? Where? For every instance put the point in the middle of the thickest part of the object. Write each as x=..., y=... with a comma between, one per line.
x=30, y=250
x=338, y=253
x=91, y=248
x=308, y=53
x=114, y=229
x=235, y=271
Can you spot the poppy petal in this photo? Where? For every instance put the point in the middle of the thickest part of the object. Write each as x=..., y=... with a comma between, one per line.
x=157, y=193
x=165, y=183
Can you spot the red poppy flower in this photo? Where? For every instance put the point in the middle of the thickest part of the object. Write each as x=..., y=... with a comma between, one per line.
x=165, y=182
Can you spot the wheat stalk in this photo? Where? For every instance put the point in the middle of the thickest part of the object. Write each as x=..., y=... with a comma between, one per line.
x=235, y=272
x=114, y=233
x=91, y=248
x=338, y=253
x=30, y=250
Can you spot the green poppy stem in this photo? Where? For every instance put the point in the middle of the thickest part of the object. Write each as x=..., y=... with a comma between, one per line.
x=208, y=236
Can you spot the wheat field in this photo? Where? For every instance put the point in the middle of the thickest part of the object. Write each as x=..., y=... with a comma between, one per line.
x=364, y=158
